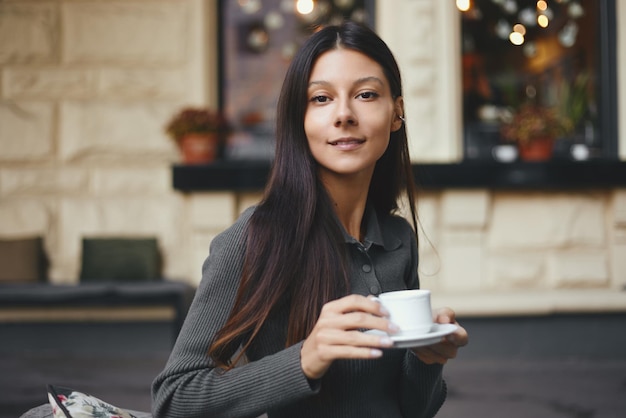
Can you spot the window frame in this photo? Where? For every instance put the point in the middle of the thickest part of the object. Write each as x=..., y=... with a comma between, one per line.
x=606, y=85
x=608, y=80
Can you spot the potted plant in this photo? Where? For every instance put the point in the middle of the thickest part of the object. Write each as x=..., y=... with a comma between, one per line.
x=199, y=132
x=534, y=128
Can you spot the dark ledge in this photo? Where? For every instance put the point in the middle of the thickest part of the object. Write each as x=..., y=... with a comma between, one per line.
x=554, y=175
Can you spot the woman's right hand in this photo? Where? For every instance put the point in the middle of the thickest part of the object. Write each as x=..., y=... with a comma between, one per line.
x=336, y=334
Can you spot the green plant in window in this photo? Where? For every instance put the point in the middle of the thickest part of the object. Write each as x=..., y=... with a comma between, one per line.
x=574, y=99
x=532, y=121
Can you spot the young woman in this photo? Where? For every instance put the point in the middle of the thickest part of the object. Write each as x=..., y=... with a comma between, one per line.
x=276, y=324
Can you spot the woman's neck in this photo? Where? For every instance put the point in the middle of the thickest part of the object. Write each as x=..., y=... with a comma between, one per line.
x=349, y=199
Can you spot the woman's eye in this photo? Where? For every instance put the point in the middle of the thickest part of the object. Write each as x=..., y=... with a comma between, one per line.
x=319, y=99
x=368, y=95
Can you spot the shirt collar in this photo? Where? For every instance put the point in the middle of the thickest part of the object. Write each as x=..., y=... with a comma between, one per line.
x=374, y=234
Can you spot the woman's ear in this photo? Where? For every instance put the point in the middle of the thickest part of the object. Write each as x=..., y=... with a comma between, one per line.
x=398, y=116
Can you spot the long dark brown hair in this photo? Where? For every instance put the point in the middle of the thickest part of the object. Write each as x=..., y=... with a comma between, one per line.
x=295, y=253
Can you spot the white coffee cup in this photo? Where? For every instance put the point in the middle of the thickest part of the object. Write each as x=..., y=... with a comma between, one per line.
x=410, y=310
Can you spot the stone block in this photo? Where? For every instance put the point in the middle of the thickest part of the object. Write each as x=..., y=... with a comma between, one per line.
x=114, y=129
x=617, y=258
x=427, y=229
x=63, y=271
x=523, y=302
x=423, y=142
x=42, y=181
x=617, y=265
x=429, y=217
x=212, y=211
x=178, y=260
x=28, y=32
x=537, y=220
x=462, y=260
x=245, y=200
x=428, y=209
x=429, y=271
x=125, y=32
x=26, y=131
x=420, y=81
x=619, y=236
x=152, y=83
x=200, y=251
x=414, y=43
x=25, y=217
x=54, y=83
x=578, y=268
x=515, y=271
x=464, y=209
x=117, y=181
x=619, y=208
x=430, y=90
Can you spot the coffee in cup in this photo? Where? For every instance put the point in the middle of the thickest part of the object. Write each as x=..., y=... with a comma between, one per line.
x=409, y=309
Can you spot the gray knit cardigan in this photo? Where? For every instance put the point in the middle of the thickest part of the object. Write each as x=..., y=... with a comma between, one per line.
x=271, y=381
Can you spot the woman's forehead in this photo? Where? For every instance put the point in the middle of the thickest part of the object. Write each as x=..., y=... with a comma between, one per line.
x=346, y=64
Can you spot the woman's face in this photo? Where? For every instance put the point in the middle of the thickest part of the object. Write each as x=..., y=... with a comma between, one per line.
x=350, y=113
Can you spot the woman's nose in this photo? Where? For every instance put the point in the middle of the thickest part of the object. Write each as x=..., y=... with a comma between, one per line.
x=345, y=115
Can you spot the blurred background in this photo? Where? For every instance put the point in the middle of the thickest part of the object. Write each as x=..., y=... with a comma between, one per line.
x=516, y=122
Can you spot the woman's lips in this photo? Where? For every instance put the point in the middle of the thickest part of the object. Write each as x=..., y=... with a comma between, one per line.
x=346, y=143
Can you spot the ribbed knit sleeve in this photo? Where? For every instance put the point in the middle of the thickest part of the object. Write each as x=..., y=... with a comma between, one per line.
x=190, y=386
x=423, y=390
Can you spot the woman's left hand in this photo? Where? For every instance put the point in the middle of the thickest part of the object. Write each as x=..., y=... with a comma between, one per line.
x=449, y=345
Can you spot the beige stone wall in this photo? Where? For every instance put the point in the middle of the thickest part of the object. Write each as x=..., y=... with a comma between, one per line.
x=488, y=252
x=423, y=36
x=86, y=87
x=85, y=90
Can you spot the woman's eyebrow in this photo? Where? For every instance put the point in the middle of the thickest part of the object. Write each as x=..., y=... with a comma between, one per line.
x=356, y=82
x=319, y=83
x=369, y=79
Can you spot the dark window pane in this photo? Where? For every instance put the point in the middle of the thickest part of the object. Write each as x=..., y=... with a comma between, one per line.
x=532, y=69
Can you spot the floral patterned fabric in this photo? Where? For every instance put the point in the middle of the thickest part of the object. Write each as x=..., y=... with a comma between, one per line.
x=68, y=403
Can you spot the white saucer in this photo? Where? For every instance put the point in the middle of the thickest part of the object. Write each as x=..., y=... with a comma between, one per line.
x=411, y=341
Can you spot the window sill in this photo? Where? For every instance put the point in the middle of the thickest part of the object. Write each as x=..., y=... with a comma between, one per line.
x=552, y=175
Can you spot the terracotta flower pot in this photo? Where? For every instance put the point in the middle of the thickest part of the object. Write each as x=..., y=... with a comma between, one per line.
x=537, y=149
x=199, y=148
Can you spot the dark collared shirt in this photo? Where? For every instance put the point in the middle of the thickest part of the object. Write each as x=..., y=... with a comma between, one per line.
x=387, y=258
x=272, y=381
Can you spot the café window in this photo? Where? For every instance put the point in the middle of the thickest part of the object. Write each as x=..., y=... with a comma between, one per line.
x=539, y=79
